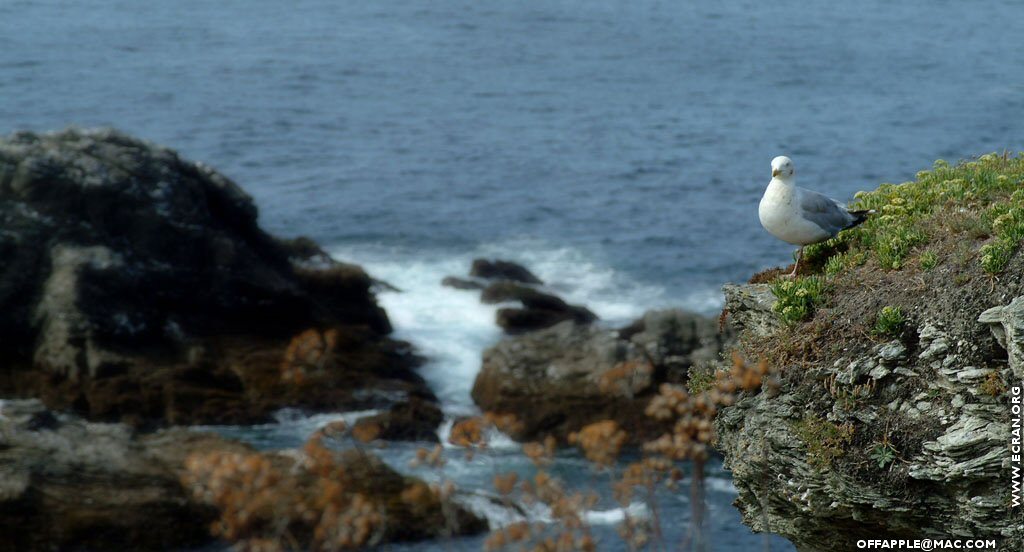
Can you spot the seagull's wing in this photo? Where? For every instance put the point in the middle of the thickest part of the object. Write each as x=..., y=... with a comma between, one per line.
x=827, y=213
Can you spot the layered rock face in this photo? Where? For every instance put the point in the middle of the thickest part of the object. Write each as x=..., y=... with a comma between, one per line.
x=811, y=462
x=137, y=286
x=559, y=379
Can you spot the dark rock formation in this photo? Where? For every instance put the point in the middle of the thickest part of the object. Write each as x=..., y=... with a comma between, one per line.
x=559, y=379
x=502, y=270
x=66, y=484
x=930, y=396
x=412, y=420
x=70, y=485
x=461, y=283
x=514, y=282
x=137, y=286
x=540, y=310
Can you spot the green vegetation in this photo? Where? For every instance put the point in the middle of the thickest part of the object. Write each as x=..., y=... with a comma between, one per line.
x=928, y=260
x=825, y=440
x=849, y=397
x=797, y=299
x=883, y=453
x=982, y=200
x=700, y=380
x=889, y=323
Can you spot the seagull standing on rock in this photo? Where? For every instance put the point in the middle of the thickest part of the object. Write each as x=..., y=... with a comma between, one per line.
x=802, y=217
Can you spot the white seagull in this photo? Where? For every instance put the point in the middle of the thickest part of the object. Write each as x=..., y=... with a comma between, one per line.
x=802, y=217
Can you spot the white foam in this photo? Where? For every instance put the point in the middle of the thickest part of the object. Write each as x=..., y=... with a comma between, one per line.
x=616, y=515
x=448, y=326
x=580, y=279
x=501, y=515
x=452, y=328
x=289, y=426
x=720, y=485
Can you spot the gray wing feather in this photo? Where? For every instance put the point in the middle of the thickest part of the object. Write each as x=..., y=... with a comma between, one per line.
x=830, y=215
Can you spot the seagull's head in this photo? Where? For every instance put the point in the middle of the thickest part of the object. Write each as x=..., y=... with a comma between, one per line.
x=782, y=167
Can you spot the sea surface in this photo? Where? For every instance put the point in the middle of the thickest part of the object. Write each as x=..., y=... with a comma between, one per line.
x=617, y=148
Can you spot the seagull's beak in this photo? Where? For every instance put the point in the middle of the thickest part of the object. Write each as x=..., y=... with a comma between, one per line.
x=776, y=172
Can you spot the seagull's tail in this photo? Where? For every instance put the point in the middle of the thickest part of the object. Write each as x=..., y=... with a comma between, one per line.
x=859, y=217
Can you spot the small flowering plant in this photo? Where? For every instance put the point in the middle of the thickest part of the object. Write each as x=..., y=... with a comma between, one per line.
x=797, y=299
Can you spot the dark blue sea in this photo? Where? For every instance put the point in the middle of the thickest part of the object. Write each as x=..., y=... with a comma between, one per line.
x=617, y=148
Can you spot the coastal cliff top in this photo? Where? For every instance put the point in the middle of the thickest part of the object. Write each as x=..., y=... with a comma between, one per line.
x=940, y=248
x=892, y=352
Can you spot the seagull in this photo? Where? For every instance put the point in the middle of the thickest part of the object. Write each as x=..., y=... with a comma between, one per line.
x=802, y=217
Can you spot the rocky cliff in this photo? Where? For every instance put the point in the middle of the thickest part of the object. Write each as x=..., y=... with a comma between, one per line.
x=893, y=415
x=137, y=286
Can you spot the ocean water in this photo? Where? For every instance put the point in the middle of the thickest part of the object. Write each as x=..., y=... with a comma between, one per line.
x=619, y=149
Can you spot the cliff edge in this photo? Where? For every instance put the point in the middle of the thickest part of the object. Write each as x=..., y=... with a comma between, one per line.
x=893, y=417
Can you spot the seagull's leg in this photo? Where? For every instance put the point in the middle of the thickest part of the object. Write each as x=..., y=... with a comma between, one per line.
x=796, y=265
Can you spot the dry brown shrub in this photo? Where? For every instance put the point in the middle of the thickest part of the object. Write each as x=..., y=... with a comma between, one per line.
x=689, y=419
x=307, y=353
x=505, y=484
x=262, y=508
x=626, y=377
x=505, y=423
x=366, y=432
x=601, y=442
x=468, y=432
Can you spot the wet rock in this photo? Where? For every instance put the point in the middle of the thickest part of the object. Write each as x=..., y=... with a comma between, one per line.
x=412, y=420
x=561, y=378
x=461, y=283
x=503, y=270
x=540, y=310
x=137, y=286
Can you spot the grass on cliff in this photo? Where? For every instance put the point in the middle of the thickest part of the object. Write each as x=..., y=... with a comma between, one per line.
x=981, y=200
x=957, y=224
x=942, y=248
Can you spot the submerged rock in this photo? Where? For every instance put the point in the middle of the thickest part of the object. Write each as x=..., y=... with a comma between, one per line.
x=412, y=420
x=137, y=286
x=540, y=310
x=514, y=283
x=557, y=380
x=461, y=283
x=503, y=270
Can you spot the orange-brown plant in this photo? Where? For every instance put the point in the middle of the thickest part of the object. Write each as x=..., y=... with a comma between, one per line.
x=307, y=352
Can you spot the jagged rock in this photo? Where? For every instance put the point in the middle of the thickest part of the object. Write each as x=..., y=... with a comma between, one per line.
x=1007, y=325
x=926, y=397
x=137, y=286
x=502, y=270
x=561, y=378
x=747, y=306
